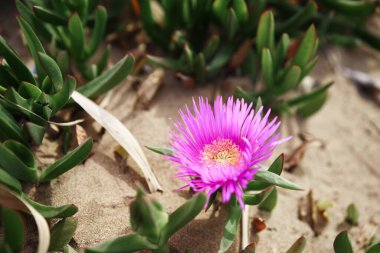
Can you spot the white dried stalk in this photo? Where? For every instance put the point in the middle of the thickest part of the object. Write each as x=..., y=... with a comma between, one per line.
x=122, y=135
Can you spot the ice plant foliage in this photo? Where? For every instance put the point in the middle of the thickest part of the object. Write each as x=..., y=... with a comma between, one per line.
x=221, y=147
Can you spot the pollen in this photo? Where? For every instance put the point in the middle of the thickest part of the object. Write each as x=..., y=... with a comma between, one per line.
x=222, y=151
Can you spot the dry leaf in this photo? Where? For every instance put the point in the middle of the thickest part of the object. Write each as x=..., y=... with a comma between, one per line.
x=12, y=201
x=80, y=135
x=309, y=212
x=121, y=134
x=186, y=81
x=150, y=86
x=258, y=225
x=241, y=53
x=293, y=160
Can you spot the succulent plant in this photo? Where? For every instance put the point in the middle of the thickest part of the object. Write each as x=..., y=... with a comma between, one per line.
x=66, y=25
x=284, y=67
x=153, y=226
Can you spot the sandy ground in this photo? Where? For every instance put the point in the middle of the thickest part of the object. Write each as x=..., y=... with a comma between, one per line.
x=345, y=171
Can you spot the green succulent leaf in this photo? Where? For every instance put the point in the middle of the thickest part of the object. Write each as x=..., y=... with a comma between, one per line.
x=276, y=167
x=269, y=203
x=274, y=179
x=52, y=70
x=230, y=230
x=183, y=215
x=200, y=68
x=59, y=99
x=124, y=244
x=265, y=32
x=211, y=47
x=267, y=67
x=13, y=229
x=20, y=70
x=77, y=36
x=162, y=150
x=61, y=233
x=307, y=48
x=357, y=8
x=108, y=79
x=375, y=248
x=49, y=16
x=103, y=60
x=298, y=246
x=255, y=199
x=342, y=243
x=312, y=105
x=34, y=45
x=68, y=249
x=299, y=19
x=9, y=181
x=49, y=212
x=36, y=132
x=241, y=9
x=14, y=165
x=67, y=162
x=9, y=128
x=98, y=31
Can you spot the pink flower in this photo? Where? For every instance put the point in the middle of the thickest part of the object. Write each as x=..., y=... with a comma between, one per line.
x=221, y=148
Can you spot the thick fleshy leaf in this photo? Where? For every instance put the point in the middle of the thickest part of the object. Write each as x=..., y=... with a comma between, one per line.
x=231, y=228
x=342, y=243
x=103, y=60
x=183, y=215
x=97, y=34
x=265, y=32
x=309, y=96
x=15, y=165
x=255, y=199
x=307, y=48
x=125, y=244
x=356, y=8
x=375, y=248
x=22, y=152
x=52, y=70
x=267, y=67
x=200, y=68
x=241, y=9
x=77, y=36
x=274, y=179
x=34, y=45
x=9, y=181
x=9, y=128
x=108, y=79
x=69, y=249
x=162, y=150
x=269, y=203
x=61, y=233
x=298, y=246
x=312, y=105
x=211, y=47
x=20, y=70
x=49, y=16
x=67, y=162
x=59, y=99
x=298, y=19
x=291, y=79
x=14, y=202
x=52, y=212
x=13, y=229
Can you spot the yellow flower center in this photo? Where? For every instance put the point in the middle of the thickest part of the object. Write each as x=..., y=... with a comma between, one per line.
x=222, y=151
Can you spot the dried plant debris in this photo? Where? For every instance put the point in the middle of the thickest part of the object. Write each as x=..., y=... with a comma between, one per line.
x=150, y=86
x=295, y=158
x=366, y=84
x=314, y=212
x=258, y=225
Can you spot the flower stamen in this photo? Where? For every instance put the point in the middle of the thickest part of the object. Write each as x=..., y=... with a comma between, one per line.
x=222, y=151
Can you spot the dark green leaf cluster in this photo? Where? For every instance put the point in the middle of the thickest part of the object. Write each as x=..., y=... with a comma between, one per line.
x=28, y=101
x=209, y=38
x=283, y=72
x=153, y=226
x=341, y=22
x=203, y=34
x=66, y=25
